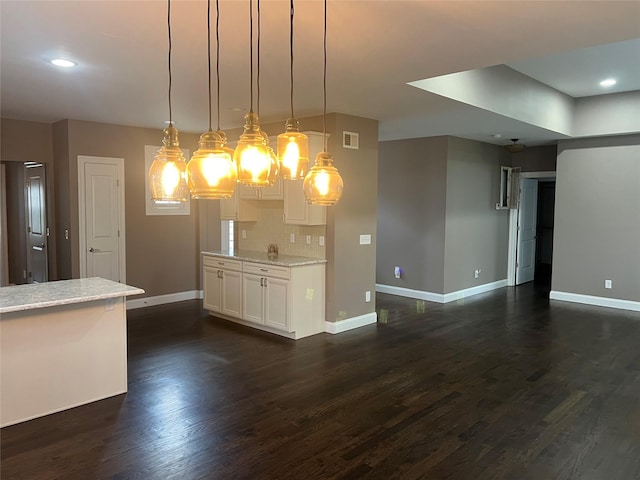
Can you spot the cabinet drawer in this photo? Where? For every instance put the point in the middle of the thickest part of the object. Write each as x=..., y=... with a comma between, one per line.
x=267, y=270
x=219, y=262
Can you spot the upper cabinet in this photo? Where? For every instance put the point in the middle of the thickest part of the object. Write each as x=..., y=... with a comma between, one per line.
x=235, y=208
x=296, y=209
x=243, y=206
x=262, y=193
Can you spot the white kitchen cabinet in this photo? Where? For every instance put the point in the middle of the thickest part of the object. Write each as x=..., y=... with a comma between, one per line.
x=284, y=299
x=296, y=209
x=274, y=192
x=222, y=286
x=238, y=209
x=266, y=297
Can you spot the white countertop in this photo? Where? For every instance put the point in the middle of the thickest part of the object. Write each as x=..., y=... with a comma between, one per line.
x=40, y=295
x=262, y=257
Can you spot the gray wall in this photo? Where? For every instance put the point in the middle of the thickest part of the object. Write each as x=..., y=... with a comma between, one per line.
x=536, y=159
x=351, y=267
x=412, y=181
x=597, y=217
x=436, y=214
x=23, y=141
x=162, y=251
x=476, y=234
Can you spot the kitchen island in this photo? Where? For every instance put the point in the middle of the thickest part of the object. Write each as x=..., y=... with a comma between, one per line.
x=62, y=344
x=281, y=294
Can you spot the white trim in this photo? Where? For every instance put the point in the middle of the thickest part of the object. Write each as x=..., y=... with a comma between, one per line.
x=162, y=299
x=82, y=234
x=350, y=323
x=593, y=300
x=513, y=227
x=407, y=292
x=512, y=247
x=538, y=175
x=439, y=297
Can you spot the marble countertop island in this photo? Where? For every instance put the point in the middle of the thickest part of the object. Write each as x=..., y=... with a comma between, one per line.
x=262, y=257
x=40, y=295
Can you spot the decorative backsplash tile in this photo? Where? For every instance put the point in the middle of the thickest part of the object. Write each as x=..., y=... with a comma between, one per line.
x=270, y=228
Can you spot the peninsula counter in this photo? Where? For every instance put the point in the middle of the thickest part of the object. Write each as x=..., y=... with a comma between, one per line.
x=62, y=344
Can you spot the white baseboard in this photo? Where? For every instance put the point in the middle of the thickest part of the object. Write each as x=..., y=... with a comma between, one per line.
x=350, y=323
x=597, y=301
x=439, y=297
x=162, y=299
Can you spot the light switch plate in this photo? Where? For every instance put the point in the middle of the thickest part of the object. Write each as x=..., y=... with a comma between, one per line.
x=321, y=240
x=244, y=234
x=365, y=239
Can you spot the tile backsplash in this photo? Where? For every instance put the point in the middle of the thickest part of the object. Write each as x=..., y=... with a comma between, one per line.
x=270, y=228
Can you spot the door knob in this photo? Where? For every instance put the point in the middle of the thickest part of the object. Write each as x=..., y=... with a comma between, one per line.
x=94, y=250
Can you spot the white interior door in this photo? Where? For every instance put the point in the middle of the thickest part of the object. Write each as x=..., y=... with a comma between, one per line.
x=101, y=207
x=36, y=213
x=527, y=219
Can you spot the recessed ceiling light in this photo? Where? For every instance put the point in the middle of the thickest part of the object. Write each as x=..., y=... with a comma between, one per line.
x=609, y=82
x=61, y=62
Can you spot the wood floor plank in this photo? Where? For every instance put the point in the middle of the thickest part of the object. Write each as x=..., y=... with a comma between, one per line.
x=501, y=385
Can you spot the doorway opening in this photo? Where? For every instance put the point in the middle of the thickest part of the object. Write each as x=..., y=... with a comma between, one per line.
x=25, y=223
x=531, y=231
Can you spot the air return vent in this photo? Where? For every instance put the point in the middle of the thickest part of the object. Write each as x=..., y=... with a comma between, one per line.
x=350, y=140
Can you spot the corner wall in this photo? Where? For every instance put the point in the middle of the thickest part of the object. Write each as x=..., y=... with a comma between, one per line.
x=411, y=213
x=476, y=234
x=437, y=217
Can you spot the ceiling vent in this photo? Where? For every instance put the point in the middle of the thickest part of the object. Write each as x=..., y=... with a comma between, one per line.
x=350, y=140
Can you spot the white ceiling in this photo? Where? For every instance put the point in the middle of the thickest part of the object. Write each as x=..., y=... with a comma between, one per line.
x=374, y=49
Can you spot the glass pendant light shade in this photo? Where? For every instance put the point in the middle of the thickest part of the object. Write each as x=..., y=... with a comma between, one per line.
x=251, y=155
x=293, y=152
x=167, y=175
x=211, y=172
x=323, y=184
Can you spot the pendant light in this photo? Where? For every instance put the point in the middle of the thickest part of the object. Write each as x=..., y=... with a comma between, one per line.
x=293, y=146
x=167, y=174
x=251, y=154
x=211, y=172
x=323, y=184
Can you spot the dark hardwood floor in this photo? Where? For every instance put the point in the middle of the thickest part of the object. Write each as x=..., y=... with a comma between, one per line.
x=501, y=385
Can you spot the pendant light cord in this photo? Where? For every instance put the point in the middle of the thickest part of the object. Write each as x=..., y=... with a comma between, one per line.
x=291, y=54
x=169, y=30
x=258, y=65
x=217, y=61
x=209, y=55
x=251, y=52
x=324, y=81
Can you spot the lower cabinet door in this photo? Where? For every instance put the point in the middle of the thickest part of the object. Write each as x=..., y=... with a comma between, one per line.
x=232, y=293
x=212, y=299
x=276, y=303
x=252, y=298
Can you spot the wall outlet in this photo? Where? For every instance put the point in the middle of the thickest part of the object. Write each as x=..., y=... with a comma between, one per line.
x=397, y=271
x=292, y=238
x=308, y=239
x=608, y=284
x=244, y=234
x=367, y=296
x=476, y=274
x=321, y=240
x=365, y=239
